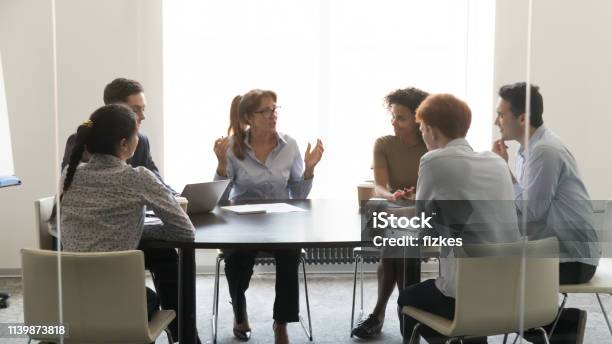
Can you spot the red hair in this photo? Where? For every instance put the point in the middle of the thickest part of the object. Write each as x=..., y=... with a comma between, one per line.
x=451, y=115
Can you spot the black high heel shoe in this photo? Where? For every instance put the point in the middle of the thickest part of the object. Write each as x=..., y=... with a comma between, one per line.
x=4, y=300
x=243, y=335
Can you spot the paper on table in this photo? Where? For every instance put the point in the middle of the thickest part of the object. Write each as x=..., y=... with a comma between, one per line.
x=282, y=208
x=262, y=208
x=153, y=221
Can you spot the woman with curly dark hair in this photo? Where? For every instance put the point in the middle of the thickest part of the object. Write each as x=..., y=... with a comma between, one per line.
x=396, y=165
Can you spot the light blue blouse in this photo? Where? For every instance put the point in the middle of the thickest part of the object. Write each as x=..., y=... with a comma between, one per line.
x=553, y=200
x=280, y=177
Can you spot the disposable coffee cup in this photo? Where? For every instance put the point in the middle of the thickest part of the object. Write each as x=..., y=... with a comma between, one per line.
x=182, y=201
x=365, y=191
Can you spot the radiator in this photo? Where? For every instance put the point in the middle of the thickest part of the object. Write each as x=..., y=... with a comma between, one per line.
x=340, y=255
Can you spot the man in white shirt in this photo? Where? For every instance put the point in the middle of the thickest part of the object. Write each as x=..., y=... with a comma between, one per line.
x=551, y=199
x=469, y=196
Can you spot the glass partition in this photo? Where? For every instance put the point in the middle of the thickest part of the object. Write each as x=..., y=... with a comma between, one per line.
x=332, y=64
x=564, y=164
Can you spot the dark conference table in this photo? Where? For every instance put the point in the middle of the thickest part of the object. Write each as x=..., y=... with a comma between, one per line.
x=326, y=223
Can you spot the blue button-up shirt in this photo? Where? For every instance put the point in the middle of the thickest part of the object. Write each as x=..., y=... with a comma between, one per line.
x=552, y=199
x=280, y=177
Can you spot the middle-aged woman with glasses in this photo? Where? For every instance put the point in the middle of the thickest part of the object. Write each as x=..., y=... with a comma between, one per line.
x=263, y=164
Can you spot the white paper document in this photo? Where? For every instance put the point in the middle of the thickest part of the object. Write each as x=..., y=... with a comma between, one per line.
x=152, y=221
x=262, y=208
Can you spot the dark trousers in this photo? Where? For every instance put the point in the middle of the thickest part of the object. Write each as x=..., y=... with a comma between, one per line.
x=239, y=269
x=426, y=296
x=162, y=263
x=565, y=331
x=412, y=271
x=152, y=303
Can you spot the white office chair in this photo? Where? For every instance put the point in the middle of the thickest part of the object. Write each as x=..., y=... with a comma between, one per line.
x=103, y=297
x=488, y=291
x=42, y=209
x=601, y=283
x=262, y=258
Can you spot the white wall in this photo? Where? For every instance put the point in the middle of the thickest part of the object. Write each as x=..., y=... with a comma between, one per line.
x=25, y=42
x=97, y=41
x=570, y=61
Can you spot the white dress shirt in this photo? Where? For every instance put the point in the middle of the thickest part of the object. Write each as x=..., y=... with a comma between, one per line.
x=469, y=195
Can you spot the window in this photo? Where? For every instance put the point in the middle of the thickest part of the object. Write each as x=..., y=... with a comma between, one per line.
x=331, y=64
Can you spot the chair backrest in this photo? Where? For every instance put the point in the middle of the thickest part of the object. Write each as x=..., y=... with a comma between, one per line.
x=43, y=208
x=489, y=286
x=605, y=237
x=103, y=294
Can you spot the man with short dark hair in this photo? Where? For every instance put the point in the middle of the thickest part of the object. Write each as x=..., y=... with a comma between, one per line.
x=550, y=196
x=131, y=93
x=161, y=262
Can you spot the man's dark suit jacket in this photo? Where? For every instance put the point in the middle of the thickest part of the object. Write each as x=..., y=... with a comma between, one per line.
x=142, y=157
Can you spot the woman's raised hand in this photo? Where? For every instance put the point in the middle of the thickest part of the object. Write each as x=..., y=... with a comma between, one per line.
x=220, y=149
x=312, y=158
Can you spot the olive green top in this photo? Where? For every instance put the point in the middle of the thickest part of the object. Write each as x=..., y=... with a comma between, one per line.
x=400, y=159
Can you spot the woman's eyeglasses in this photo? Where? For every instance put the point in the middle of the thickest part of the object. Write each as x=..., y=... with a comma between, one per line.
x=267, y=113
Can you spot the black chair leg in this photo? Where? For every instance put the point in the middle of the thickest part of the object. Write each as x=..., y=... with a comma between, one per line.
x=215, y=315
x=354, y=294
x=169, y=335
x=309, y=331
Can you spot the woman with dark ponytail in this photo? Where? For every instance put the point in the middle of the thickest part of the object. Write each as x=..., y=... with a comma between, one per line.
x=263, y=164
x=103, y=201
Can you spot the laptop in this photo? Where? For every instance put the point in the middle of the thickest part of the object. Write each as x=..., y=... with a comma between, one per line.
x=203, y=197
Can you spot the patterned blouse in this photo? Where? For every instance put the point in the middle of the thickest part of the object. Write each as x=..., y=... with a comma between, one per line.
x=104, y=208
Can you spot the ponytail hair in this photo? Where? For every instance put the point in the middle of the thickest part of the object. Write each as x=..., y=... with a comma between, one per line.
x=101, y=134
x=82, y=134
x=237, y=128
x=242, y=107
